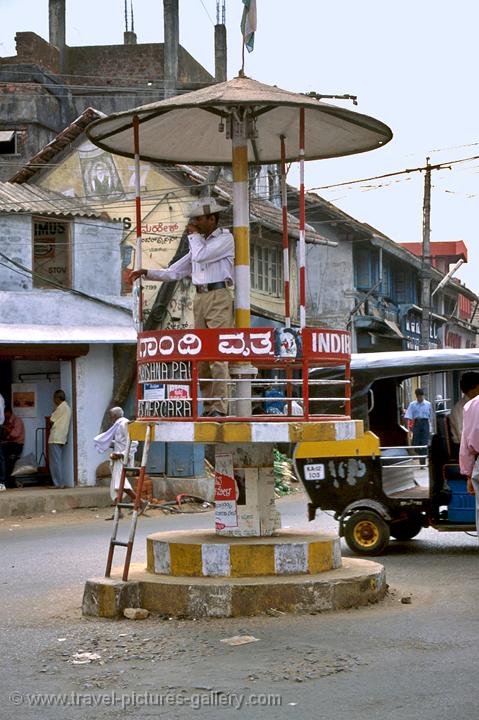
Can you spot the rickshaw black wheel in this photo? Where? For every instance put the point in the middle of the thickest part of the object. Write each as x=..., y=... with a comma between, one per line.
x=366, y=533
x=406, y=529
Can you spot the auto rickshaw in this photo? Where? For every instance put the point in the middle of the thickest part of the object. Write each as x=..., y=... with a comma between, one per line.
x=375, y=485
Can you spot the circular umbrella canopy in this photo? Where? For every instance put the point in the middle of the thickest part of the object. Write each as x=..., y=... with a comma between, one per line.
x=186, y=128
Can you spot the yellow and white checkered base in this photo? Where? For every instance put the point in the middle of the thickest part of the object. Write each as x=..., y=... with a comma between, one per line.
x=205, y=554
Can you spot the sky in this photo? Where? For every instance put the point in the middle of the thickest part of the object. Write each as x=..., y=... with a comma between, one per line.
x=411, y=63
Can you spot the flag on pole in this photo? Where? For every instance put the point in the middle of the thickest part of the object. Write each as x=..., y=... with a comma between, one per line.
x=248, y=23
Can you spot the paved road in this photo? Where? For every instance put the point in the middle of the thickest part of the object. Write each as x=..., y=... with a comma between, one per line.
x=390, y=661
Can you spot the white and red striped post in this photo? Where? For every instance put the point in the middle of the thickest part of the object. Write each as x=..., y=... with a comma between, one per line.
x=137, y=287
x=287, y=297
x=138, y=296
x=284, y=205
x=302, y=240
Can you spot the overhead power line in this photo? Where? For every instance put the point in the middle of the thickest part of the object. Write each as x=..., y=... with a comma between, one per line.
x=438, y=166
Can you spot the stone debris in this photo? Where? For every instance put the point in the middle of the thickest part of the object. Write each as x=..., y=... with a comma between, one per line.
x=307, y=665
x=406, y=600
x=273, y=612
x=84, y=658
x=136, y=613
x=239, y=640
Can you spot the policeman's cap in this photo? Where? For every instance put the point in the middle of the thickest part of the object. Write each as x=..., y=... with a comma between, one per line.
x=205, y=206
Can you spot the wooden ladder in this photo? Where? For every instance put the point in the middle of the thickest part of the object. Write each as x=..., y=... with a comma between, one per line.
x=135, y=507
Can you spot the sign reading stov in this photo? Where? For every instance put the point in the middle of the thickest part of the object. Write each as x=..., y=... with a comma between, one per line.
x=159, y=349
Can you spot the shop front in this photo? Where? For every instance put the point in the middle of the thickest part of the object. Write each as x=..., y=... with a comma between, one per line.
x=36, y=361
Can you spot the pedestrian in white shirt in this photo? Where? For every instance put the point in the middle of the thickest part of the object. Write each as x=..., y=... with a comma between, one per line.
x=60, y=425
x=210, y=263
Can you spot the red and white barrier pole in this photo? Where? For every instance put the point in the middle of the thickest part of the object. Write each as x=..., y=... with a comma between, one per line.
x=138, y=293
x=284, y=204
x=137, y=287
x=302, y=239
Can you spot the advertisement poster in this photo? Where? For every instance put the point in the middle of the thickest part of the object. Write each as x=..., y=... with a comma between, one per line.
x=226, y=510
x=24, y=400
x=153, y=391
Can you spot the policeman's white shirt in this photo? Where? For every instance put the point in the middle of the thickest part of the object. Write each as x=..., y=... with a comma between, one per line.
x=209, y=260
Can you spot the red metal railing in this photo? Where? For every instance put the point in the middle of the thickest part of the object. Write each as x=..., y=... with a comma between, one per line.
x=276, y=378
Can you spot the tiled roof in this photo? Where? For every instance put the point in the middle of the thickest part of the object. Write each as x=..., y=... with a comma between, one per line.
x=15, y=198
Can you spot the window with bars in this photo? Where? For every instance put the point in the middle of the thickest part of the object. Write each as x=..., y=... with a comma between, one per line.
x=266, y=267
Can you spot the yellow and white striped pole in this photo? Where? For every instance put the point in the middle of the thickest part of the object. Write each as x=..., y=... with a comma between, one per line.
x=241, y=221
x=242, y=371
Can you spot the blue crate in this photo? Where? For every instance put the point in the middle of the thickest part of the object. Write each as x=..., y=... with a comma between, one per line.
x=462, y=506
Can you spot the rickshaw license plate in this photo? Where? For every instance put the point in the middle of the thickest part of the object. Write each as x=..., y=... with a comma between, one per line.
x=314, y=472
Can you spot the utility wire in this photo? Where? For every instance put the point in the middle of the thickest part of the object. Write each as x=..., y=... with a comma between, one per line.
x=206, y=11
x=399, y=172
x=31, y=273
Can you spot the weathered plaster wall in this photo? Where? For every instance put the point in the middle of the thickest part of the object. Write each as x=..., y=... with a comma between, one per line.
x=66, y=384
x=15, y=243
x=58, y=307
x=94, y=386
x=329, y=284
x=96, y=258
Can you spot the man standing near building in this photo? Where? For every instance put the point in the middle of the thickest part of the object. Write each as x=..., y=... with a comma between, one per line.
x=470, y=387
x=12, y=442
x=419, y=415
x=210, y=263
x=60, y=425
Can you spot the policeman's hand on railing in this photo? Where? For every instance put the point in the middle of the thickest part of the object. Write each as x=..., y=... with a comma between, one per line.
x=135, y=274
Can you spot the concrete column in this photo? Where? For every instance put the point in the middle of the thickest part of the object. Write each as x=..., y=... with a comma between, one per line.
x=56, y=27
x=129, y=38
x=244, y=490
x=220, y=53
x=171, y=44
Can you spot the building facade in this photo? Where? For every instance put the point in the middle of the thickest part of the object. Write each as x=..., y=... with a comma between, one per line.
x=63, y=320
x=47, y=84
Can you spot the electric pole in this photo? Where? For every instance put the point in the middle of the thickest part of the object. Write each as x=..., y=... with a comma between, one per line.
x=426, y=261
x=426, y=274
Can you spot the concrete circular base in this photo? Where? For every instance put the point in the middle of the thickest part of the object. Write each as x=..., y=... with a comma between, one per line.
x=357, y=582
x=199, y=553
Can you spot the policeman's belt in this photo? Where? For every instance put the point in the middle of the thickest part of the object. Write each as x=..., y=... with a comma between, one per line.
x=210, y=286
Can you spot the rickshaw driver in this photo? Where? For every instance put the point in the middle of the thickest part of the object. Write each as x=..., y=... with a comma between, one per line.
x=210, y=263
x=419, y=413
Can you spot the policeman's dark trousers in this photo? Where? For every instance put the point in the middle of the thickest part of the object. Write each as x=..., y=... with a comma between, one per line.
x=420, y=436
x=214, y=309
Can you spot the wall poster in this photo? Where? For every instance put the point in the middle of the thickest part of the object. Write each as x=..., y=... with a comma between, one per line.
x=24, y=399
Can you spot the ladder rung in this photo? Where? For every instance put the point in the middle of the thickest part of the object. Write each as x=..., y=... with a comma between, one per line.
x=124, y=505
x=119, y=542
x=132, y=469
